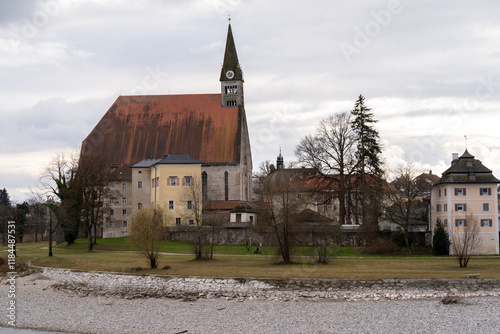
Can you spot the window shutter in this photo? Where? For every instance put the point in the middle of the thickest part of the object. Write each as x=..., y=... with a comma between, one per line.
x=184, y=181
x=465, y=191
x=176, y=181
x=168, y=181
x=465, y=207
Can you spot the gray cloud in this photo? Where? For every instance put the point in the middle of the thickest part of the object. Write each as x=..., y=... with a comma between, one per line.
x=428, y=70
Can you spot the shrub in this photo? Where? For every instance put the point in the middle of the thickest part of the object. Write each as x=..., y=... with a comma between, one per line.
x=440, y=240
x=381, y=246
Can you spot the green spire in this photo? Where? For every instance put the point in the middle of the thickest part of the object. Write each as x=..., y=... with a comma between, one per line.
x=230, y=60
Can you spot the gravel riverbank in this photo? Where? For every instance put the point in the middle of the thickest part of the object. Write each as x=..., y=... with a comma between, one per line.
x=39, y=306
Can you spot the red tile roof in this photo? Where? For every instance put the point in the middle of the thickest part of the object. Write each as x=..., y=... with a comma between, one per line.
x=139, y=127
x=230, y=205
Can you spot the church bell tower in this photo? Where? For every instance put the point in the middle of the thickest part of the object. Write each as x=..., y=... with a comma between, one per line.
x=231, y=75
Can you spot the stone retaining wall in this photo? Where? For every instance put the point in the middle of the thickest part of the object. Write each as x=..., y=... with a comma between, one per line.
x=191, y=288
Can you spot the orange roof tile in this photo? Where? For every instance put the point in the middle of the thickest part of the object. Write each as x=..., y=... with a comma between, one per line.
x=139, y=127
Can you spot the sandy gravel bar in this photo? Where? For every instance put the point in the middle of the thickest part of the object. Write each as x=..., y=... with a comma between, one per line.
x=40, y=306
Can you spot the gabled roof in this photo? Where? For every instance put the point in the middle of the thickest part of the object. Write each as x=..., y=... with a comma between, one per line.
x=136, y=127
x=146, y=163
x=467, y=169
x=178, y=159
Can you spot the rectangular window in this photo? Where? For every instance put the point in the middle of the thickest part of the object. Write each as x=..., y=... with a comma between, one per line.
x=486, y=223
x=111, y=201
x=445, y=207
x=171, y=205
x=139, y=206
x=124, y=200
x=445, y=223
x=439, y=192
x=485, y=191
x=152, y=183
x=189, y=205
x=177, y=221
x=460, y=192
x=460, y=222
x=111, y=212
x=486, y=206
x=438, y=207
x=124, y=212
x=325, y=208
x=191, y=221
x=173, y=180
x=157, y=184
x=335, y=208
x=139, y=184
x=124, y=186
x=444, y=192
x=125, y=223
x=460, y=207
x=187, y=181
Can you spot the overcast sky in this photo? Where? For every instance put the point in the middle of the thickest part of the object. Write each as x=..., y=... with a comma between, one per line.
x=428, y=69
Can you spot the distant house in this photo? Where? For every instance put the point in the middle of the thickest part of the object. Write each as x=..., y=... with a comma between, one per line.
x=468, y=189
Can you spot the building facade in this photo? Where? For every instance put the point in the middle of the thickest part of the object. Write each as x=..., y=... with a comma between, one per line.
x=169, y=184
x=467, y=194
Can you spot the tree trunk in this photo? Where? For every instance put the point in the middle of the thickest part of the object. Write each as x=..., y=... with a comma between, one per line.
x=89, y=241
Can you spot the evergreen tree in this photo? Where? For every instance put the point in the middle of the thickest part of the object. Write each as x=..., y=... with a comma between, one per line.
x=368, y=162
x=368, y=148
x=4, y=197
x=440, y=240
x=5, y=213
x=20, y=217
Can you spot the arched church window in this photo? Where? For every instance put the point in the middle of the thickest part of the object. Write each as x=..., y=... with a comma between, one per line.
x=226, y=186
x=204, y=187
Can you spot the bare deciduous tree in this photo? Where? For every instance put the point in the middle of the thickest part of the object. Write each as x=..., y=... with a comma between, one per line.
x=324, y=238
x=204, y=236
x=466, y=240
x=332, y=152
x=93, y=179
x=58, y=179
x=283, y=207
x=403, y=207
x=147, y=233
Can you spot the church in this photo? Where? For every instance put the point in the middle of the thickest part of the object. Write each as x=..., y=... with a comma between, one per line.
x=209, y=128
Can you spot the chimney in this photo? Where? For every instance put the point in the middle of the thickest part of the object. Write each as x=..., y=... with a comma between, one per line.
x=455, y=156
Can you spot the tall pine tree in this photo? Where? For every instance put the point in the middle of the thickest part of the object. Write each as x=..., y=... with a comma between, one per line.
x=368, y=161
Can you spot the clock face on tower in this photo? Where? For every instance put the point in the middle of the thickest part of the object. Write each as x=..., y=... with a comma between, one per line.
x=229, y=74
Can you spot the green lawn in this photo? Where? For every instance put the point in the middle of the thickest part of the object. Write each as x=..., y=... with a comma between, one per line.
x=232, y=264
x=181, y=247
